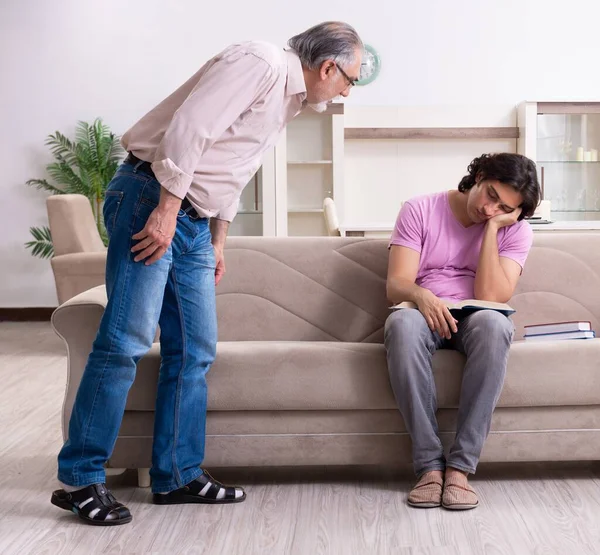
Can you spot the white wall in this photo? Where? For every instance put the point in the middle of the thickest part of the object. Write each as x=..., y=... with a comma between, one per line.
x=380, y=174
x=67, y=60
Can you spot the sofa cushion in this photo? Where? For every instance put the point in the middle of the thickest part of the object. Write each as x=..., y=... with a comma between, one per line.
x=333, y=288
x=321, y=375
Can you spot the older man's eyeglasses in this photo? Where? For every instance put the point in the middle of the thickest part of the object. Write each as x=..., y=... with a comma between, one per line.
x=351, y=82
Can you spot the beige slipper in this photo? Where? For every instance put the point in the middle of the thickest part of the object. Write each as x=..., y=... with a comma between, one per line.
x=427, y=493
x=458, y=495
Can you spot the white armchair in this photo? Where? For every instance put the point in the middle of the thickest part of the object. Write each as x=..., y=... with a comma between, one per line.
x=79, y=260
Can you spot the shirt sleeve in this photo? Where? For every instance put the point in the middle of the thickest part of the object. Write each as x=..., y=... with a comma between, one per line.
x=517, y=242
x=408, y=231
x=227, y=89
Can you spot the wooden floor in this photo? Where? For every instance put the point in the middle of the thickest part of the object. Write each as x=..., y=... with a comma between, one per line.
x=550, y=509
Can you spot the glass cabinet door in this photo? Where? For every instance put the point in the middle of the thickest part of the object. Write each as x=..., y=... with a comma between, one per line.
x=567, y=160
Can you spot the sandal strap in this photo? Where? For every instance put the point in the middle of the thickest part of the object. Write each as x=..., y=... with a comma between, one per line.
x=230, y=493
x=205, y=478
x=206, y=486
x=119, y=512
x=96, y=502
x=213, y=491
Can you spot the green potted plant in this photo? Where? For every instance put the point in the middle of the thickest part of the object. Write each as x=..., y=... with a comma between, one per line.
x=84, y=166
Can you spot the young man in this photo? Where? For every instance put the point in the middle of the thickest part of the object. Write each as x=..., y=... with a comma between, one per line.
x=461, y=244
x=167, y=212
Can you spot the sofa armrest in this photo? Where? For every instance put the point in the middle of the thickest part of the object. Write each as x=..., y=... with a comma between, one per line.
x=78, y=272
x=76, y=322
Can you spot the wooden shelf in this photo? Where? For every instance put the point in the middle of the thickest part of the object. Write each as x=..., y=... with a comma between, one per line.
x=581, y=162
x=249, y=212
x=568, y=107
x=332, y=108
x=305, y=210
x=577, y=211
x=431, y=133
x=310, y=162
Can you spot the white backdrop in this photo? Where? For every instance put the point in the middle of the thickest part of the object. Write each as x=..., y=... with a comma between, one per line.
x=69, y=60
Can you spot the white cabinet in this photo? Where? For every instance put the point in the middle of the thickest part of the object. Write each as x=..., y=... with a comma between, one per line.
x=563, y=138
x=256, y=212
x=286, y=196
x=309, y=167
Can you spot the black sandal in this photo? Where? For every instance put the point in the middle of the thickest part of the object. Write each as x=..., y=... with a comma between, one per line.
x=94, y=504
x=204, y=489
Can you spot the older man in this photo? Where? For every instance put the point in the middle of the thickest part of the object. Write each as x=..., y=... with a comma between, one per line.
x=167, y=212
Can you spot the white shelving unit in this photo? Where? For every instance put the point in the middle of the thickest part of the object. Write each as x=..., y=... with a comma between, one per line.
x=256, y=213
x=305, y=166
x=309, y=160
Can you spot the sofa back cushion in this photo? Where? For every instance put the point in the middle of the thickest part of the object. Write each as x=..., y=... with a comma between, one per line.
x=333, y=288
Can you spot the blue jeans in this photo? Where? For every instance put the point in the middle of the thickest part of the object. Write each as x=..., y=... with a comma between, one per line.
x=177, y=292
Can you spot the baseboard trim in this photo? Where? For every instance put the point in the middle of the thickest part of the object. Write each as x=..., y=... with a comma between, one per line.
x=29, y=314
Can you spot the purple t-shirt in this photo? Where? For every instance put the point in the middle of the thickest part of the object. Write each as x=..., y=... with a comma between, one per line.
x=450, y=251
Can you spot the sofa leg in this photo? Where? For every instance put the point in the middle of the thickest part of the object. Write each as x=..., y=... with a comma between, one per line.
x=114, y=471
x=143, y=477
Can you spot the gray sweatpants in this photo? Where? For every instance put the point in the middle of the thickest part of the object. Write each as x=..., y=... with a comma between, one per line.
x=484, y=337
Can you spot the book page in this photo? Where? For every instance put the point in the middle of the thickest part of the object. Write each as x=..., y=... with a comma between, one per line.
x=461, y=305
x=482, y=304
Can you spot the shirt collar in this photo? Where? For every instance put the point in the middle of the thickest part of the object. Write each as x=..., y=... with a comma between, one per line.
x=295, y=76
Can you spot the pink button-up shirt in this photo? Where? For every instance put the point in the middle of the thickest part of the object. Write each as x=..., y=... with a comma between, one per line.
x=206, y=140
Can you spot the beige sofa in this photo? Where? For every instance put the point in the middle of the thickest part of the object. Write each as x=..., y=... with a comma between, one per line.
x=79, y=260
x=301, y=379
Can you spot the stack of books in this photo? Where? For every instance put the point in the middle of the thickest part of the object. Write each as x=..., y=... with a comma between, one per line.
x=559, y=330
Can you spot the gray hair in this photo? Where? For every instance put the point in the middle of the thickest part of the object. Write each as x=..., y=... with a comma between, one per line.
x=331, y=40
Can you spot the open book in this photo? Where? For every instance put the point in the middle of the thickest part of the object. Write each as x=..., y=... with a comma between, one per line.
x=469, y=305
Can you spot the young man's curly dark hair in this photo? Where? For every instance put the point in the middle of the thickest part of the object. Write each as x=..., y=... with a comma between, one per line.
x=515, y=170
